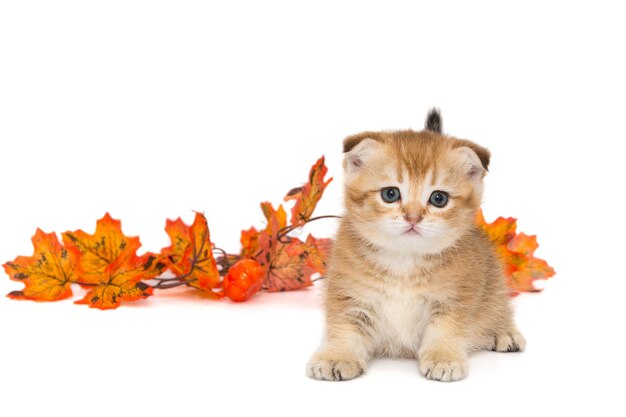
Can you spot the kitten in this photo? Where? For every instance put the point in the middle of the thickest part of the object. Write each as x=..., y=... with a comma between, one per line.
x=411, y=275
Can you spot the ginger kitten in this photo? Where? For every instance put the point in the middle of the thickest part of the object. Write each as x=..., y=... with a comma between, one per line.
x=410, y=274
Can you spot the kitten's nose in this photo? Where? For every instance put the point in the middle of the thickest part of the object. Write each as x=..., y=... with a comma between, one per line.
x=413, y=218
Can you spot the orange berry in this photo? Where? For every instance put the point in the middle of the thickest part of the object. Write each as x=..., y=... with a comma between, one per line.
x=243, y=280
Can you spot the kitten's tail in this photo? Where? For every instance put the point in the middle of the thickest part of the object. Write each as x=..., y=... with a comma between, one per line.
x=433, y=121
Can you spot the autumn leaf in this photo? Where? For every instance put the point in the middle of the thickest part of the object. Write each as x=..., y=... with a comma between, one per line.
x=313, y=251
x=500, y=231
x=309, y=194
x=120, y=281
x=102, y=248
x=190, y=255
x=255, y=244
x=288, y=263
x=517, y=253
x=276, y=218
x=48, y=273
x=293, y=264
x=112, y=271
x=285, y=271
x=249, y=243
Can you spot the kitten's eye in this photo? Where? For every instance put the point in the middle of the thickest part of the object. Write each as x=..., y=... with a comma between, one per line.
x=438, y=199
x=390, y=194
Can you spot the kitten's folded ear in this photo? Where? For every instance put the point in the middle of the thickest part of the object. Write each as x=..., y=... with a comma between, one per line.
x=358, y=148
x=483, y=153
x=433, y=121
x=475, y=159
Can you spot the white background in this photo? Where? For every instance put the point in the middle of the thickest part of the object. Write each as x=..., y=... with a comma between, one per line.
x=150, y=110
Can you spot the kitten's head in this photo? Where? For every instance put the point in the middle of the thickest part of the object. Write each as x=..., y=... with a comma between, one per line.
x=415, y=192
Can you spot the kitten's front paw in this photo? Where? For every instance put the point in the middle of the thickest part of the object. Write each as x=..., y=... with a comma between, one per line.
x=511, y=341
x=325, y=368
x=442, y=367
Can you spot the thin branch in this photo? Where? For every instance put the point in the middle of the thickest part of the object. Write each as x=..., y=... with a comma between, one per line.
x=281, y=235
x=164, y=286
x=85, y=284
x=224, y=260
x=167, y=279
x=220, y=250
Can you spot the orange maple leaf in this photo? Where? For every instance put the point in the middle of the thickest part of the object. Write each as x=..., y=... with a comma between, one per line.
x=309, y=194
x=276, y=218
x=517, y=253
x=276, y=222
x=112, y=271
x=249, y=243
x=48, y=273
x=101, y=249
x=190, y=255
x=120, y=281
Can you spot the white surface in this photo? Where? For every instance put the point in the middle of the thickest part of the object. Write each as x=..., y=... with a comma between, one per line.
x=150, y=110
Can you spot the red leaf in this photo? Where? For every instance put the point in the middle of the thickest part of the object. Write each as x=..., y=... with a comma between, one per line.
x=288, y=265
x=288, y=268
x=314, y=252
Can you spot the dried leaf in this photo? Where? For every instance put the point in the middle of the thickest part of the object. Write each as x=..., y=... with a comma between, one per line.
x=288, y=268
x=517, y=253
x=276, y=218
x=102, y=248
x=112, y=271
x=257, y=245
x=309, y=194
x=289, y=262
x=265, y=247
x=249, y=243
x=190, y=256
x=48, y=273
x=521, y=243
x=314, y=252
x=120, y=281
x=501, y=230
